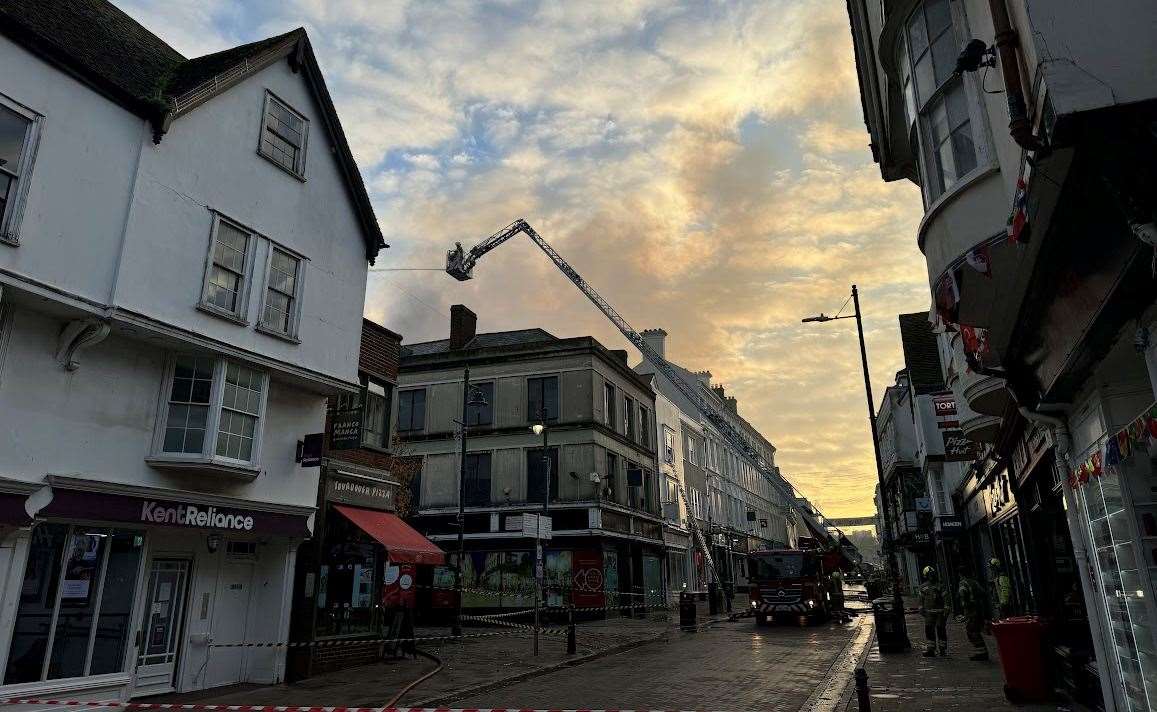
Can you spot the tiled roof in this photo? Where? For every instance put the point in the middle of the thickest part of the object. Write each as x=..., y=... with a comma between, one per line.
x=95, y=40
x=481, y=341
x=921, y=354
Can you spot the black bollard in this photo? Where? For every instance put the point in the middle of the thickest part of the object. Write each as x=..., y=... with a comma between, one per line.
x=863, y=700
x=571, y=642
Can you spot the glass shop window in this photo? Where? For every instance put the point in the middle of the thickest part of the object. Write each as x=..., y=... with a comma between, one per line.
x=348, y=597
x=75, y=603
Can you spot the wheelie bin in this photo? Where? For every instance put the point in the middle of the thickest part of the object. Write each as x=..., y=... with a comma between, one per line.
x=891, y=632
x=1019, y=641
x=687, y=609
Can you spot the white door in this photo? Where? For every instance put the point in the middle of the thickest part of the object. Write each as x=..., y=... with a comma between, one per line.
x=226, y=665
x=159, y=634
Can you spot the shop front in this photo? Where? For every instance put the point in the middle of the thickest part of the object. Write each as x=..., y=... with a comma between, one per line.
x=1114, y=483
x=124, y=593
x=358, y=577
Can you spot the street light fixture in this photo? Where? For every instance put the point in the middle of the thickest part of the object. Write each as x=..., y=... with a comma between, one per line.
x=471, y=397
x=540, y=428
x=897, y=600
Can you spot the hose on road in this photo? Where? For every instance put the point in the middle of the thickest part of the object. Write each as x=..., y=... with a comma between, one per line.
x=393, y=702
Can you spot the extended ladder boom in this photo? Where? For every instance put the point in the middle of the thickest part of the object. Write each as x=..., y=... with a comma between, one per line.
x=460, y=265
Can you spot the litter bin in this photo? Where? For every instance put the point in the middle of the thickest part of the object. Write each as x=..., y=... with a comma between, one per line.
x=687, y=609
x=1019, y=641
x=891, y=632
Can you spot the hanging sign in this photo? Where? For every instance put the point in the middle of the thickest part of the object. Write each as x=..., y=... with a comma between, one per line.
x=346, y=429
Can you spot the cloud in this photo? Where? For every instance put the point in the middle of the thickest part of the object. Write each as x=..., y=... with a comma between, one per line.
x=704, y=165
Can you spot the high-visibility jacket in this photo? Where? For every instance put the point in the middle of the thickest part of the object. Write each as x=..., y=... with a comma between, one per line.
x=931, y=597
x=1003, y=589
x=972, y=597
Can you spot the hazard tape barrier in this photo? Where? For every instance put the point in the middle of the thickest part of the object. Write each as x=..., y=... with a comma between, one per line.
x=344, y=643
x=173, y=707
x=529, y=592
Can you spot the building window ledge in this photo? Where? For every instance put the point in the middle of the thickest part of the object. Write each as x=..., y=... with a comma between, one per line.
x=207, y=465
x=222, y=314
x=291, y=338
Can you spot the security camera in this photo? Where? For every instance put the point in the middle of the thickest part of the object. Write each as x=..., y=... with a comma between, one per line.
x=976, y=54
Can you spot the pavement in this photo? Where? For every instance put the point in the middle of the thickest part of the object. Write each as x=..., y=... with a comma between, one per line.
x=625, y=663
x=910, y=682
x=468, y=664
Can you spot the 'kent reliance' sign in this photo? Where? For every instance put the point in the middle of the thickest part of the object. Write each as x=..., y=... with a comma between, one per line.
x=190, y=516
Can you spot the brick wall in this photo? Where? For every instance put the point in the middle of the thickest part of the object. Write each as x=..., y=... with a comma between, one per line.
x=381, y=349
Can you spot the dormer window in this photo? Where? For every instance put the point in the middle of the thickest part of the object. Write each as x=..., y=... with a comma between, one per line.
x=283, y=136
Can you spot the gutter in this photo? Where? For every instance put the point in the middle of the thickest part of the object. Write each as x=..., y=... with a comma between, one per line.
x=1007, y=44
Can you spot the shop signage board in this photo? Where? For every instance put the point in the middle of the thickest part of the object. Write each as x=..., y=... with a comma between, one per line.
x=944, y=407
x=346, y=430
x=949, y=526
x=360, y=492
x=535, y=526
x=958, y=448
x=147, y=511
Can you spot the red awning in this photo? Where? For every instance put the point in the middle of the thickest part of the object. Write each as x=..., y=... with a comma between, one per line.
x=402, y=542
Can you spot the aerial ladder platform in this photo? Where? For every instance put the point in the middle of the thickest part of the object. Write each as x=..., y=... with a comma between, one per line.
x=460, y=263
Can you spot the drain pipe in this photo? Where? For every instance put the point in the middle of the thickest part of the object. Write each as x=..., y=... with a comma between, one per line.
x=1007, y=43
x=1077, y=534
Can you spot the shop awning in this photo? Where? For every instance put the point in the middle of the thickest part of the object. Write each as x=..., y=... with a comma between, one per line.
x=402, y=542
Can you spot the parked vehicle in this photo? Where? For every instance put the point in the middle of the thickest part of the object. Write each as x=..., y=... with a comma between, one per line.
x=789, y=583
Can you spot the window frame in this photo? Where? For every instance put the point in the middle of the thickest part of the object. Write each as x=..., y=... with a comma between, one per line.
x=609, y=405
x=476, y=458
x=644, y=427
x=13, y=211
x=488, y=409
x=535, y=417
x=298, y=291
x=298, y=170
x=240, y=315
x=208, y=452
x=668, y=449
x=402, y=394
x=928, y=163
x=387, y=414
x=630, y=429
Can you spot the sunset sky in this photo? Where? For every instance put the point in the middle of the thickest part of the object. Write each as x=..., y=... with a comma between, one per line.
x=704, y=165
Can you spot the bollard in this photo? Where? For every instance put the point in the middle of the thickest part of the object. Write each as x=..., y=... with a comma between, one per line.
x=863, y=700
x=571, y=643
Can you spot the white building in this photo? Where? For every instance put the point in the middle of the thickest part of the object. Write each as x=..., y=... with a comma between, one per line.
x=1035, y=156
x=744, y=511
x=183, y=252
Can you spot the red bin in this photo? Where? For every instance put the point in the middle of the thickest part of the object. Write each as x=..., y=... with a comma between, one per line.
x=1019, y=641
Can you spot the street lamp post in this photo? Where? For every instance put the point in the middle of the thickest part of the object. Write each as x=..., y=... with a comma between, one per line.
x=540, y=428
x=470, y=397
x=894, y=572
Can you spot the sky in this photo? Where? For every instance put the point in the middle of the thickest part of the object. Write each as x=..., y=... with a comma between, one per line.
x=704, y=165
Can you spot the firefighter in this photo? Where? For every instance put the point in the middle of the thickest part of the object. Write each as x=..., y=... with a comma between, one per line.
x=974, y=606
x=933, y=608
x=1001, y=588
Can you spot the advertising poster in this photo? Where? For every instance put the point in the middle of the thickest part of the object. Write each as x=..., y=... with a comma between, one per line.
x=588, y=580
x=398, y=586
x=79, y=572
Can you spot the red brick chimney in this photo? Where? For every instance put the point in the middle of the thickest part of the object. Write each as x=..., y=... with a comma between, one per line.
x=463, y=326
